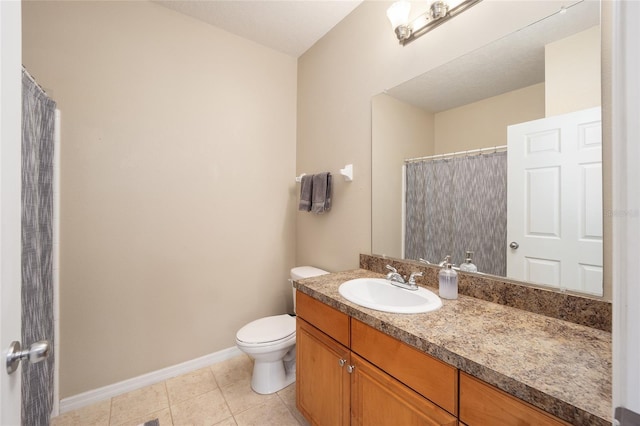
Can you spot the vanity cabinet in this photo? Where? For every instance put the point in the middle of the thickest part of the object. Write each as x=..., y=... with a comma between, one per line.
x=337, y=386
x=426, y=375
x=483, y=404
x=407, y=367
x=323, y=386
x=379, y=399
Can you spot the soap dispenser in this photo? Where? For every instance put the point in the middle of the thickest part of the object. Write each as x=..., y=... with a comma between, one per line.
x=448, y=281
x=468, y=265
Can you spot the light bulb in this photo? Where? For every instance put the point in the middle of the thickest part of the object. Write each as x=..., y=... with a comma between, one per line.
x=398, y=13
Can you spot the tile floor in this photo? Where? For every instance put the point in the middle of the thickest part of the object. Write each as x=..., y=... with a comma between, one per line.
x=219, y=395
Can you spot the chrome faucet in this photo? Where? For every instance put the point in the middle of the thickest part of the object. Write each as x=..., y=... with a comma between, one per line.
x=398, y=280
x=394, y=276
x=412, y=279
x=447, y=259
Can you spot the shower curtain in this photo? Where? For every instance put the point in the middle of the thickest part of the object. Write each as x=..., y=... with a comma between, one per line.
x=428, y=209
x=457, y=205
x=38, y=118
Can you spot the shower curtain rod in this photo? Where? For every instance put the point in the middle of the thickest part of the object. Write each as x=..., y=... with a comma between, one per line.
x=33, y=80
x=458, y=154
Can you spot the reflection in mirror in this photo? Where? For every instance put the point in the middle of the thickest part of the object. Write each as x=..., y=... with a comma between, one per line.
x=509, y=93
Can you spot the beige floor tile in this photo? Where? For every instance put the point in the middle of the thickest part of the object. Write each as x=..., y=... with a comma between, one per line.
x=204, y=410
x=139, y=403
x=233, y=370
x=96, y=414
x=271, y=413
x=191, y=384
x=164, y=418
x=195, y=399
x=227, y=422
x=288, y=396
x=241, y=397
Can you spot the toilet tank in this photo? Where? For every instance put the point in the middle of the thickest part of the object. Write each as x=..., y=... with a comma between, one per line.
x=300, y=272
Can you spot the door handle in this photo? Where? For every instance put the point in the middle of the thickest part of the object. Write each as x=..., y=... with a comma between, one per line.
x=514, y=245
x=37, y=352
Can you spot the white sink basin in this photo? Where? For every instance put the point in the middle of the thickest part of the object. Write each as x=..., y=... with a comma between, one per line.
x=379, y=294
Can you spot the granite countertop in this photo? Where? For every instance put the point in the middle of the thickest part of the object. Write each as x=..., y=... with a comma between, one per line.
x=558, y=366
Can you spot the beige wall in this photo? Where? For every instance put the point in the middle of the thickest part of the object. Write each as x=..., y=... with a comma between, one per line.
x=484, y=123
x=399, y=131
x=178, y=192
x=572, y=73
x=338, y=76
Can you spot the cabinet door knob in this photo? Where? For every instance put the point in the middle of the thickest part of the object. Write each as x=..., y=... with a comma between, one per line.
x=342, y=362
x=350, y=368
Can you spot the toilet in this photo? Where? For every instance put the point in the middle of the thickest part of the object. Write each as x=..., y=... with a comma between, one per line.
x=271, y=342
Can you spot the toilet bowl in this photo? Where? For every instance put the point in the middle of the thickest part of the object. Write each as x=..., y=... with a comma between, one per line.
x=271, y=342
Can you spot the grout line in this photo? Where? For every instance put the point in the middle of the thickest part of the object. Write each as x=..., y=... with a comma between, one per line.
x=110, y=410
x=166, y=389
x=295, y=414
x=219, y=388
x=233, y=416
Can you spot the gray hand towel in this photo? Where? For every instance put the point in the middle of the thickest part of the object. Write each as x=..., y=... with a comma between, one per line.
x=321, y=193
x=305, y=193
x=327, y=203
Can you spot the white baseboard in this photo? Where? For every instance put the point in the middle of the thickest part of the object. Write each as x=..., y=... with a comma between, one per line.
x=91, y=397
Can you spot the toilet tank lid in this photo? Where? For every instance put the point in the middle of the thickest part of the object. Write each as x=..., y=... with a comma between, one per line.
x=301, y=272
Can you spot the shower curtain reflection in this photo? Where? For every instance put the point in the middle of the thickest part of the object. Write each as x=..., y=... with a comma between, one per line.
x=458, y=204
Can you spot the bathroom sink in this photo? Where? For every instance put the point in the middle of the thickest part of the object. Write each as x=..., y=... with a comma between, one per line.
x=381, y=295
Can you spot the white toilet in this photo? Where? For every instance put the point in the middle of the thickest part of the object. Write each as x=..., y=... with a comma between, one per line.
x=271, y=342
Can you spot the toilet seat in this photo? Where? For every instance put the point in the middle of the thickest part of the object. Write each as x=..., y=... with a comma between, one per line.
x=271, y=343
x=267, y=330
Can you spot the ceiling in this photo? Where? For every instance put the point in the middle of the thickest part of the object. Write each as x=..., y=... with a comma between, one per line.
x=288, y=26
x=510, y=63
x=293, y=26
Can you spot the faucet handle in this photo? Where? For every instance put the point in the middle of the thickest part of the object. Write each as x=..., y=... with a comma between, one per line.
x=412, y=278
x=392, y=269
x=425, y=261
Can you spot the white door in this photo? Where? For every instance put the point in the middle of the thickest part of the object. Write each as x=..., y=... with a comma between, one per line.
x=10, y=181
x=554, y=207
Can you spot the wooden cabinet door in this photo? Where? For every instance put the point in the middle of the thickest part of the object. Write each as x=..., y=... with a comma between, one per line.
x=482, y=404
x=322, y=382
x=428, y=376
x=379, y=399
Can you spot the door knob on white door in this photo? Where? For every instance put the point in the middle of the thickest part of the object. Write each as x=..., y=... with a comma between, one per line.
x=37, y=352
x=514, y=245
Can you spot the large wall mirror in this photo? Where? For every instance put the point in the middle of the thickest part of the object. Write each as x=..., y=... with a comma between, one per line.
x=499, y=153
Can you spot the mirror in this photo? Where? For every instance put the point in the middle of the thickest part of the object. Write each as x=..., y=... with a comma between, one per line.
x=547, y=70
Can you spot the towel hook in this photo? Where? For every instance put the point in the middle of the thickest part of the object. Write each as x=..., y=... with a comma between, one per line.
x=347, y=172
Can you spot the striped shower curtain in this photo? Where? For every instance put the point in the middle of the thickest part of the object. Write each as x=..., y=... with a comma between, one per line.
x=456, y=205
x=38, y=119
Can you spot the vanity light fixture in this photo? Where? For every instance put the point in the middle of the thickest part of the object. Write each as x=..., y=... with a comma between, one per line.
x=439, y=12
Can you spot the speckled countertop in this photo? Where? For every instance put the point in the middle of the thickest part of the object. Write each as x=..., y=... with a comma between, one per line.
x=558, y=366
